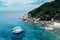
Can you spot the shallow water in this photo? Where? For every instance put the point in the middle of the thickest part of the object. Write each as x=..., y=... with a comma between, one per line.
x=31, y=31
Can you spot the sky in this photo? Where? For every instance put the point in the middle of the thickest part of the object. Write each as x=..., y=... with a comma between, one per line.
x=22, y=5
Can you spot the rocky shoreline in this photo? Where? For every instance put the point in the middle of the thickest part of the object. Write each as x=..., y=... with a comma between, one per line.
x=27, y=18
x=49, y=25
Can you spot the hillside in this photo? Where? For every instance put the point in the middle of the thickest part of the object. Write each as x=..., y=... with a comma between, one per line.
x=47, y=10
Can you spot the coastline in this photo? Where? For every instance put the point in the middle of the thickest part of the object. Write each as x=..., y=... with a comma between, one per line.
x=27, y=18
x=49, y=25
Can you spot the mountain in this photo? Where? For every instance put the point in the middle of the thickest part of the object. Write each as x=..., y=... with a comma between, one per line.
x=47, y=10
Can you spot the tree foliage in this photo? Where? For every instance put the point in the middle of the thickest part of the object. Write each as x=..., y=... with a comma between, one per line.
x=48, y=9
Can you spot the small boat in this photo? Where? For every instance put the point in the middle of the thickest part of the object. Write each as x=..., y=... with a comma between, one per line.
x=17, y=30
x=49, y=28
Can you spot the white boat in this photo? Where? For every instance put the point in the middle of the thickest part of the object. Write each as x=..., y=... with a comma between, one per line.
x=17, y=30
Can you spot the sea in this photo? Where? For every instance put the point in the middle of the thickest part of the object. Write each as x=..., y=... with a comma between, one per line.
x=31, y=31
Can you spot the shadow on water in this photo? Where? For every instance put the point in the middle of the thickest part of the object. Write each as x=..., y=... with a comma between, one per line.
x=17, y=36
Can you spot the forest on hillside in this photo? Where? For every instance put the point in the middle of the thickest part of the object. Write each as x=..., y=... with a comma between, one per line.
x=47, y=10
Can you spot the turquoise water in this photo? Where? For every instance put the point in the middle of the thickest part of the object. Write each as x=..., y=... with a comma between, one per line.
x=31, y=31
